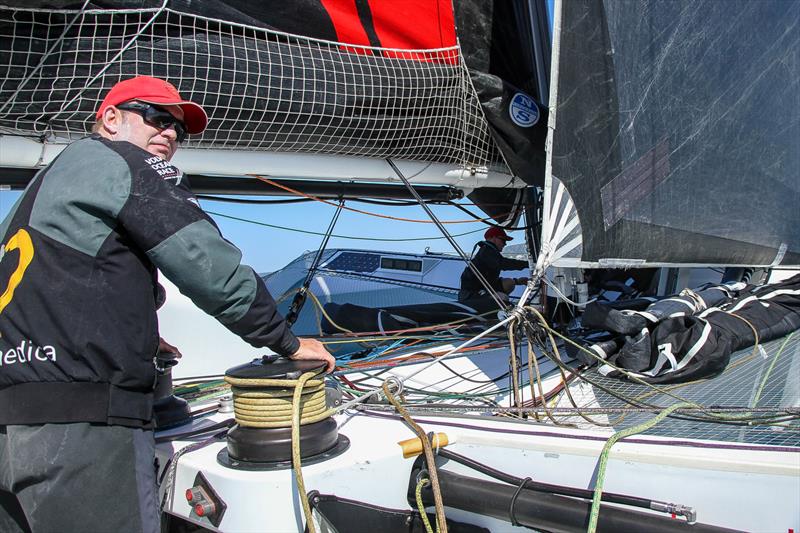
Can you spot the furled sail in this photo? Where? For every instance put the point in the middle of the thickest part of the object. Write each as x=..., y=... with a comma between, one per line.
x=374, y=79
x=675, y=130
x=266, y=90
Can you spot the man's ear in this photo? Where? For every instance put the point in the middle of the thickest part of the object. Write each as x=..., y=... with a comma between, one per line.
x=112, y=120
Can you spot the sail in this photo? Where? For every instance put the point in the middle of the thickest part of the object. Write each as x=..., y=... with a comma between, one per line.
x=675, y=130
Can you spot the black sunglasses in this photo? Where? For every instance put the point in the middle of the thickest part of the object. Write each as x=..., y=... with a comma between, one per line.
x=156, y=116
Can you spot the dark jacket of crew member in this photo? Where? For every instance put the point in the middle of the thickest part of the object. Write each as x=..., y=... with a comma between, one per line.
x=490, y=262
x=78, y=325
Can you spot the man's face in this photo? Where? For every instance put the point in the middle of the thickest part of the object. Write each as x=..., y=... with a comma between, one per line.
x=500, y=243
x=162, y=142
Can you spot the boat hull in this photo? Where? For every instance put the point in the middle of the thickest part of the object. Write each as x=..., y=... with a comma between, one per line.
x=747, y=487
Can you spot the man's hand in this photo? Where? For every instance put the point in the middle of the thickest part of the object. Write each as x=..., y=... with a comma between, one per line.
x=313, y=350
x=164, y=346
x=508, y=285
x=521, y=281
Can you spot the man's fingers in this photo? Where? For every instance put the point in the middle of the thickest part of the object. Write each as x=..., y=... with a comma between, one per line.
x=312, y=349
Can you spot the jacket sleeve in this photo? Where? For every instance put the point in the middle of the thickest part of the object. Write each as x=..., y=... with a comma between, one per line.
x=166, y=221
x=513, y=264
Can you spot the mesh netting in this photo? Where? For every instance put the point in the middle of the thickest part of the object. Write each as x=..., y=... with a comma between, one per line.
x=751, y=385
x=263, y=90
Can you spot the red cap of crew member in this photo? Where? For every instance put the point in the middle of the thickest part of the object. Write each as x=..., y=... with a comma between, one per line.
x=496, y=233
x=155, y=91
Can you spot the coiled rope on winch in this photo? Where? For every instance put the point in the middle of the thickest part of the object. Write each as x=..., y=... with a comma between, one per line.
x=269, y=403
x=280, y=403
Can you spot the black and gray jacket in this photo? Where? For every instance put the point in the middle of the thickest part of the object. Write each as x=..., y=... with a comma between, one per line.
x=489, y=262
x=80, y=250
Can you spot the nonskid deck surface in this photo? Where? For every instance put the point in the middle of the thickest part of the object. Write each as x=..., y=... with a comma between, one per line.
x=758, y=383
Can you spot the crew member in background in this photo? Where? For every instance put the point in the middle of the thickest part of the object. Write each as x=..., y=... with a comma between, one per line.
x=490, y=262
x=78, y=320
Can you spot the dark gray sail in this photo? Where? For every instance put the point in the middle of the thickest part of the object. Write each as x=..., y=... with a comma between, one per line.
x=677, y=129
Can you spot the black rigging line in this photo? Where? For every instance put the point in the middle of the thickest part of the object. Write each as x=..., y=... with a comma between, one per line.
x=398, y=203
x=389, y=203
x=251, y=200
x=482, y=219
x=300, y=297
x=449, y=237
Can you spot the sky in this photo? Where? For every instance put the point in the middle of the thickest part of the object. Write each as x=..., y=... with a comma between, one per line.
x=267, y=249
x=270, y=248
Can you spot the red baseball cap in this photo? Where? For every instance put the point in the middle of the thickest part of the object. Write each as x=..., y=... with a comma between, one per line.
x=155, y=91
x=495, y=232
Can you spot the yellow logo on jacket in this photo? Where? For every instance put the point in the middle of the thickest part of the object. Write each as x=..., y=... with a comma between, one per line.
x=21, y=241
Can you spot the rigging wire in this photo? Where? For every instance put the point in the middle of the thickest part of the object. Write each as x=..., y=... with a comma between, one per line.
x=375, y=201
x=252, y=201
x=390, y=203
x=704, y=414
x=489, y=222
x=350, y=237
x=478, y=275
x=378, y=215
x=300, y=297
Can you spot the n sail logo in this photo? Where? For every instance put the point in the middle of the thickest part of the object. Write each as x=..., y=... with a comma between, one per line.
x=21, y=241
x=523, y=110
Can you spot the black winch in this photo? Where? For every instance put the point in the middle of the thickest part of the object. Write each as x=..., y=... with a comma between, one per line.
x=263, y=392
x=169, y=410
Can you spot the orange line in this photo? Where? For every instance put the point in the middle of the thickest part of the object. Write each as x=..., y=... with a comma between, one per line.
x=312, y=197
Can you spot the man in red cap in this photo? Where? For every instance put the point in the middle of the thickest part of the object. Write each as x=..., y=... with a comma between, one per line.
x=164, y=118
x=490, y=262
x=78, y=325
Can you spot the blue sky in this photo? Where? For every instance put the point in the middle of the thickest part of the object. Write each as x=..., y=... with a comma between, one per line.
x=267, y=249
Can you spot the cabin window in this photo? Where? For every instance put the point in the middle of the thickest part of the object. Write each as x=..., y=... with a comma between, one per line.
x=392, y=263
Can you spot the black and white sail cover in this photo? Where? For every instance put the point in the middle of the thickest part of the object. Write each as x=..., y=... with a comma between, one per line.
x=676, y=132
